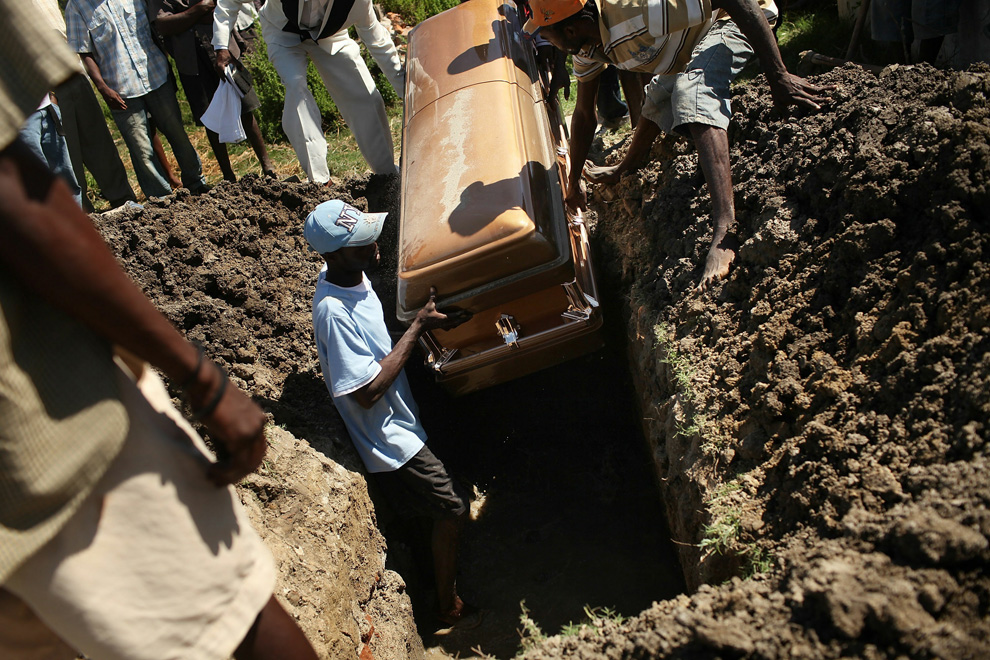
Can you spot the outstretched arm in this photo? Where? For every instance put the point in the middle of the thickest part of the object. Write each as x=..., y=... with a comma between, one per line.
x=583, y=124
x=427, y=319
x=51, y=245
x=786, y=88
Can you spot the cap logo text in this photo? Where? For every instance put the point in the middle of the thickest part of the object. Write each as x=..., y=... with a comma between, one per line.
x=348, y=218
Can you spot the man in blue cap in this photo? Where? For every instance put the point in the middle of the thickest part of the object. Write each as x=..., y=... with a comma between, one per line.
x=364, y=373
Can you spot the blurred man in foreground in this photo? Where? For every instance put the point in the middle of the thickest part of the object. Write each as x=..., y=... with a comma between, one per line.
x=120, y=536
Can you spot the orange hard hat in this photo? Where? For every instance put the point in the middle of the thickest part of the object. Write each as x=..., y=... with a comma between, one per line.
x=548, y=12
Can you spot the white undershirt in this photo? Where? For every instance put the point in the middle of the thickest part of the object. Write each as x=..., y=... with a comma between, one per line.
x=312, y=13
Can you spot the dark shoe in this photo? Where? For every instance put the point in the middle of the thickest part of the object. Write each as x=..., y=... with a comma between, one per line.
x=201, y=189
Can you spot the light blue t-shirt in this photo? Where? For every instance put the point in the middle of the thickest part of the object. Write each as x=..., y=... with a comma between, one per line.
x=351, y=338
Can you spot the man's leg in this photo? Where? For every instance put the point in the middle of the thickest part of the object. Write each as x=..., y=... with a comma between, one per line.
x=712, y=144
x=635, y=157
x=257, y=142
x=23, y=636
x=609, y=104
x=444, y=544
x=422, y=487
x=300, y=116
x=274, y=635
x=164, y=107
x=133, y=125
x=699, y=105
x=633, y=85
x=349, y=82
x=221, y=154
x=90, y=144
x=41, y=134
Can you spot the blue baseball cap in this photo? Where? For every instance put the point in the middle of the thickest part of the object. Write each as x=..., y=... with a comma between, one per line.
x=336, y=224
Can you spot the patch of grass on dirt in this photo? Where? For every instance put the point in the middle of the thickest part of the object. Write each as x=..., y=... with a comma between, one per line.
x=722, y=533
x=758, y=561
x=530, y=634
x=595, y=618
x=681, y=368
x=693, y=422
x=726, y=519
x=822, y=31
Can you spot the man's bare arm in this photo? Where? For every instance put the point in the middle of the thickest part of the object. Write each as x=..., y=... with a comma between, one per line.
x=786, y=88
x=51, y=246
x=427, y=319
x=110, y=95
x=169, y=24
x=583, y=124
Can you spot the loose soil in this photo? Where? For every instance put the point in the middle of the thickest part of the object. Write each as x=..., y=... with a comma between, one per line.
x=819, y=420
x=817, y=423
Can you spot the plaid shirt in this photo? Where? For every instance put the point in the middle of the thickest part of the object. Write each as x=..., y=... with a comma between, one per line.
x=118, y=35
x=650, y=36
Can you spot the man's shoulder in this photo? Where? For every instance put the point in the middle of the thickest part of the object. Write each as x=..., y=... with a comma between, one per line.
x=325, y=303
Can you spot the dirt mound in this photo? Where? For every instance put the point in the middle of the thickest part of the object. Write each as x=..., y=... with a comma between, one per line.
x=232, y=270
x=820, y=419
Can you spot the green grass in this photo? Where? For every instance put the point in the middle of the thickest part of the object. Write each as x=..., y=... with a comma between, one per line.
x=530, y=633
x=726, y=518
x=594, y=617
x=682, y=372
x=758, y=561
x=822, y=31
x=417, y=11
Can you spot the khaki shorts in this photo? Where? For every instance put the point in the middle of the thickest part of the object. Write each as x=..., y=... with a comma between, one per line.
x=157, y=563
x=700, y=94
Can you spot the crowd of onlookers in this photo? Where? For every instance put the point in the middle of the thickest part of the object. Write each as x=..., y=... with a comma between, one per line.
x=124, y=47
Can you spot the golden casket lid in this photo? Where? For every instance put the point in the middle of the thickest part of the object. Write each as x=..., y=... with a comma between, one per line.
x=481, y=201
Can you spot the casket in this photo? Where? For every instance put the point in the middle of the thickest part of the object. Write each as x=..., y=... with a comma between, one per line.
x=484, y=164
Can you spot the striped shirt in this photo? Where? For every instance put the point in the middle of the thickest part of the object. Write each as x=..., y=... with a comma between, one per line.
x=650, y=36
x=118, y=35
x=51, y=14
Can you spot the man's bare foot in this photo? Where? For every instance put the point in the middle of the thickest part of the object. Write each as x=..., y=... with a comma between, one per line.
x=462, y=616
x=720, y=257
x=601, y=174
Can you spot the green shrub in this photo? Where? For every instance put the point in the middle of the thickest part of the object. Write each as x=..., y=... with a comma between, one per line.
x=417, y=10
